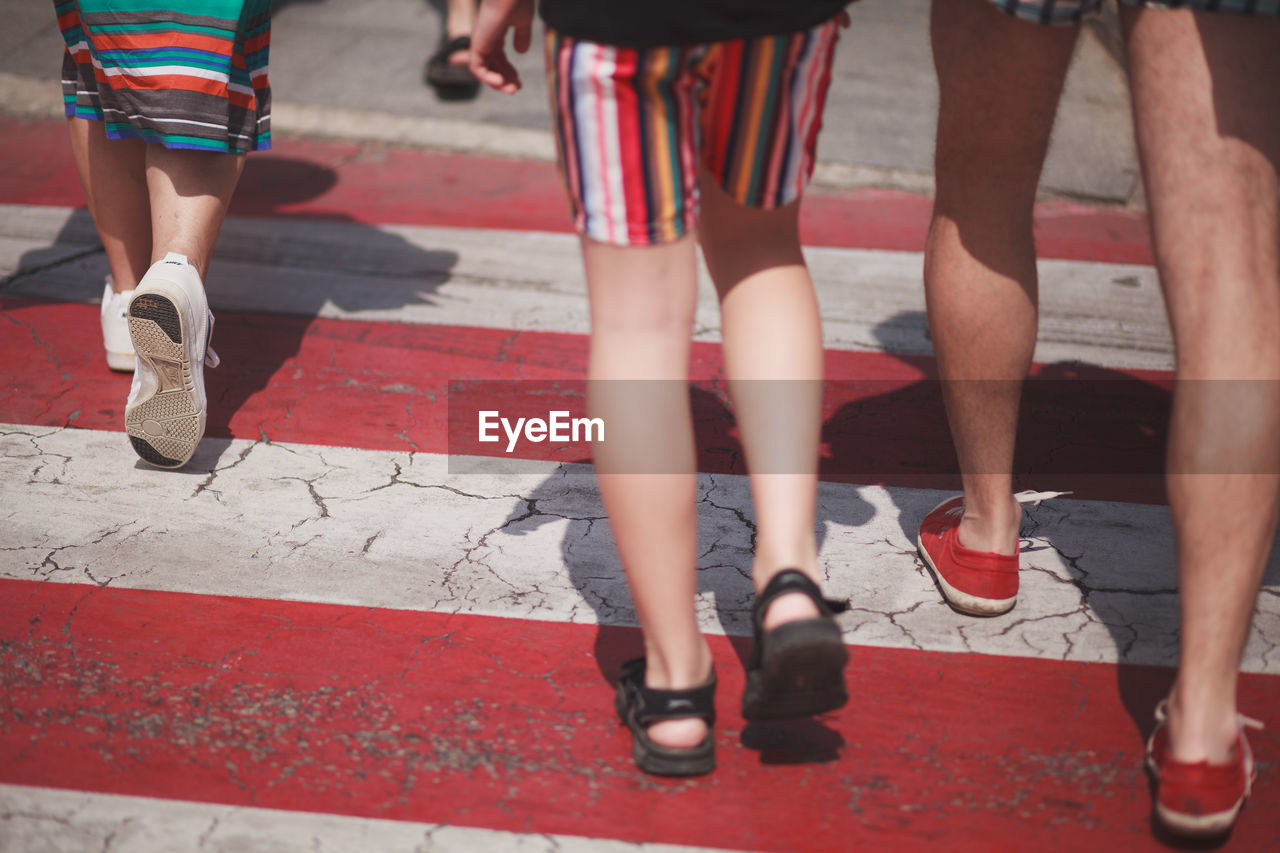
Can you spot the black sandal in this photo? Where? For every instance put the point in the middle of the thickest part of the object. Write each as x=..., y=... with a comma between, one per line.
x=451, y=81
x=638, y=706
x=796, y=669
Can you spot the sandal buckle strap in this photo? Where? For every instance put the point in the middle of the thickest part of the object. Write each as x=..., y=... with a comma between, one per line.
x=652, y=704
x=794, y=580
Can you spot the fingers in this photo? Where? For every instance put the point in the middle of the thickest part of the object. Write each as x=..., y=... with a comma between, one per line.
x=500, y=75
x=489, y=62
x=523, y=38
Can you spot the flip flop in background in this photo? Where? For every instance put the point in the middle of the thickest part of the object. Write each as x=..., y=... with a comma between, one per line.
x=452, y=82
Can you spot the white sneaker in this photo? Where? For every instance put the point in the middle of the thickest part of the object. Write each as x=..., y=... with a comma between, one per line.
x=170, y=324
x=115, y=328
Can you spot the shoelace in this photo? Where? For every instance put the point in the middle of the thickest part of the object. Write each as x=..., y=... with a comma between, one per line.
x=1028, y=496
x=210, y=357
x=1162, y=717
x=1035, y=498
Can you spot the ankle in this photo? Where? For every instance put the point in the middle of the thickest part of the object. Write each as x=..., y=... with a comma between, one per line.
x=1202, y=730
x=991, y=528
x=791, y=606
x=677, y=671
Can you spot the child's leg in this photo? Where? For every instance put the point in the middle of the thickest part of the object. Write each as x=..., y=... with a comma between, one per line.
x=642, y=308
x=113, y=175
x=773, y=355
x=765, y=99
x=626, y=144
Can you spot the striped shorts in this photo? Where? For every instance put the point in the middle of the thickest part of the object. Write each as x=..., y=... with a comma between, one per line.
x=190, y=75
x=1075, y=11
x=634, y=124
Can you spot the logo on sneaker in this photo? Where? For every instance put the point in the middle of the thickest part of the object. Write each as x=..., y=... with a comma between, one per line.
x=170, y=375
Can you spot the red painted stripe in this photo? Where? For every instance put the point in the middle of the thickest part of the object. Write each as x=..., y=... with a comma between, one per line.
x=386, y=386
x=376, y=185
x=508, y=725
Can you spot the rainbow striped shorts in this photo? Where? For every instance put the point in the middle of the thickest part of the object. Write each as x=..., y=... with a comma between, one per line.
x=633, y=125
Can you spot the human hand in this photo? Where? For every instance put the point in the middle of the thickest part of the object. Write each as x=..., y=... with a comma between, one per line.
x=489, y=60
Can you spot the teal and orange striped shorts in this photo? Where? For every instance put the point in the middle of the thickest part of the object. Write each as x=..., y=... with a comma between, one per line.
x=633, y=126
x=184, y=74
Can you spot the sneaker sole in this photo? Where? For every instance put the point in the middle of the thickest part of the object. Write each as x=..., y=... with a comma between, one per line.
x=802, y=675
x=166, y=427
x=1199, y=826
x=1196, y=826
x=970, y=605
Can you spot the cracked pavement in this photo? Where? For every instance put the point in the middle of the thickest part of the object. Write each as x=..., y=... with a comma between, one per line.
x=123, y=824
x=397, y=530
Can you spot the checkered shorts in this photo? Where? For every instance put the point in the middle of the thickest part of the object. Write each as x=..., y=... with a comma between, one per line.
x=1075, y=11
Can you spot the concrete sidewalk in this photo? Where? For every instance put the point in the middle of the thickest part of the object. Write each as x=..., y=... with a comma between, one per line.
x=354, y=71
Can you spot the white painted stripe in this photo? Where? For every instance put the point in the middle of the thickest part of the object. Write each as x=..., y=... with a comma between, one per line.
x=46, y=819
x=323, y=524
x=1109, y=315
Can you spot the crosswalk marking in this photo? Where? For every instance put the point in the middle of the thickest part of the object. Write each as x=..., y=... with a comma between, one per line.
x=384, y=529
x=444, y=639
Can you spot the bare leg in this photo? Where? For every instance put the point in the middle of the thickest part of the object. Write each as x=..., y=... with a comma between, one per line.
x=460, y=17
x=999, y=81
x=189, y=191
x=642, y=307
x=1210, y=143
x=113, y=175
x=773, y=355
x=147, y=200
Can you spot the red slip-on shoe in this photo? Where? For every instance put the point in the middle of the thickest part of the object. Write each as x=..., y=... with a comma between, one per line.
x=980, y=583
x=1198, y=798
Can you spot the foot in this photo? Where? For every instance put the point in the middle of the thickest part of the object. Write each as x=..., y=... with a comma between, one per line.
x=796, y=664
x=170, y=326
x=448, y=69
x=1204, y=795
x=789, y=607
x=643, y=709
x=979, y=583
x=461, y=56
x=115, y=328
x=683, y=733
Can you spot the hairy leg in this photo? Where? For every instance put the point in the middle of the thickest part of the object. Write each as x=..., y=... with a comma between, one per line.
x=773, y=356
x=189, y=192
x=113, y=175
x=1209, y=139
x=642, y=308
x=999, y=81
